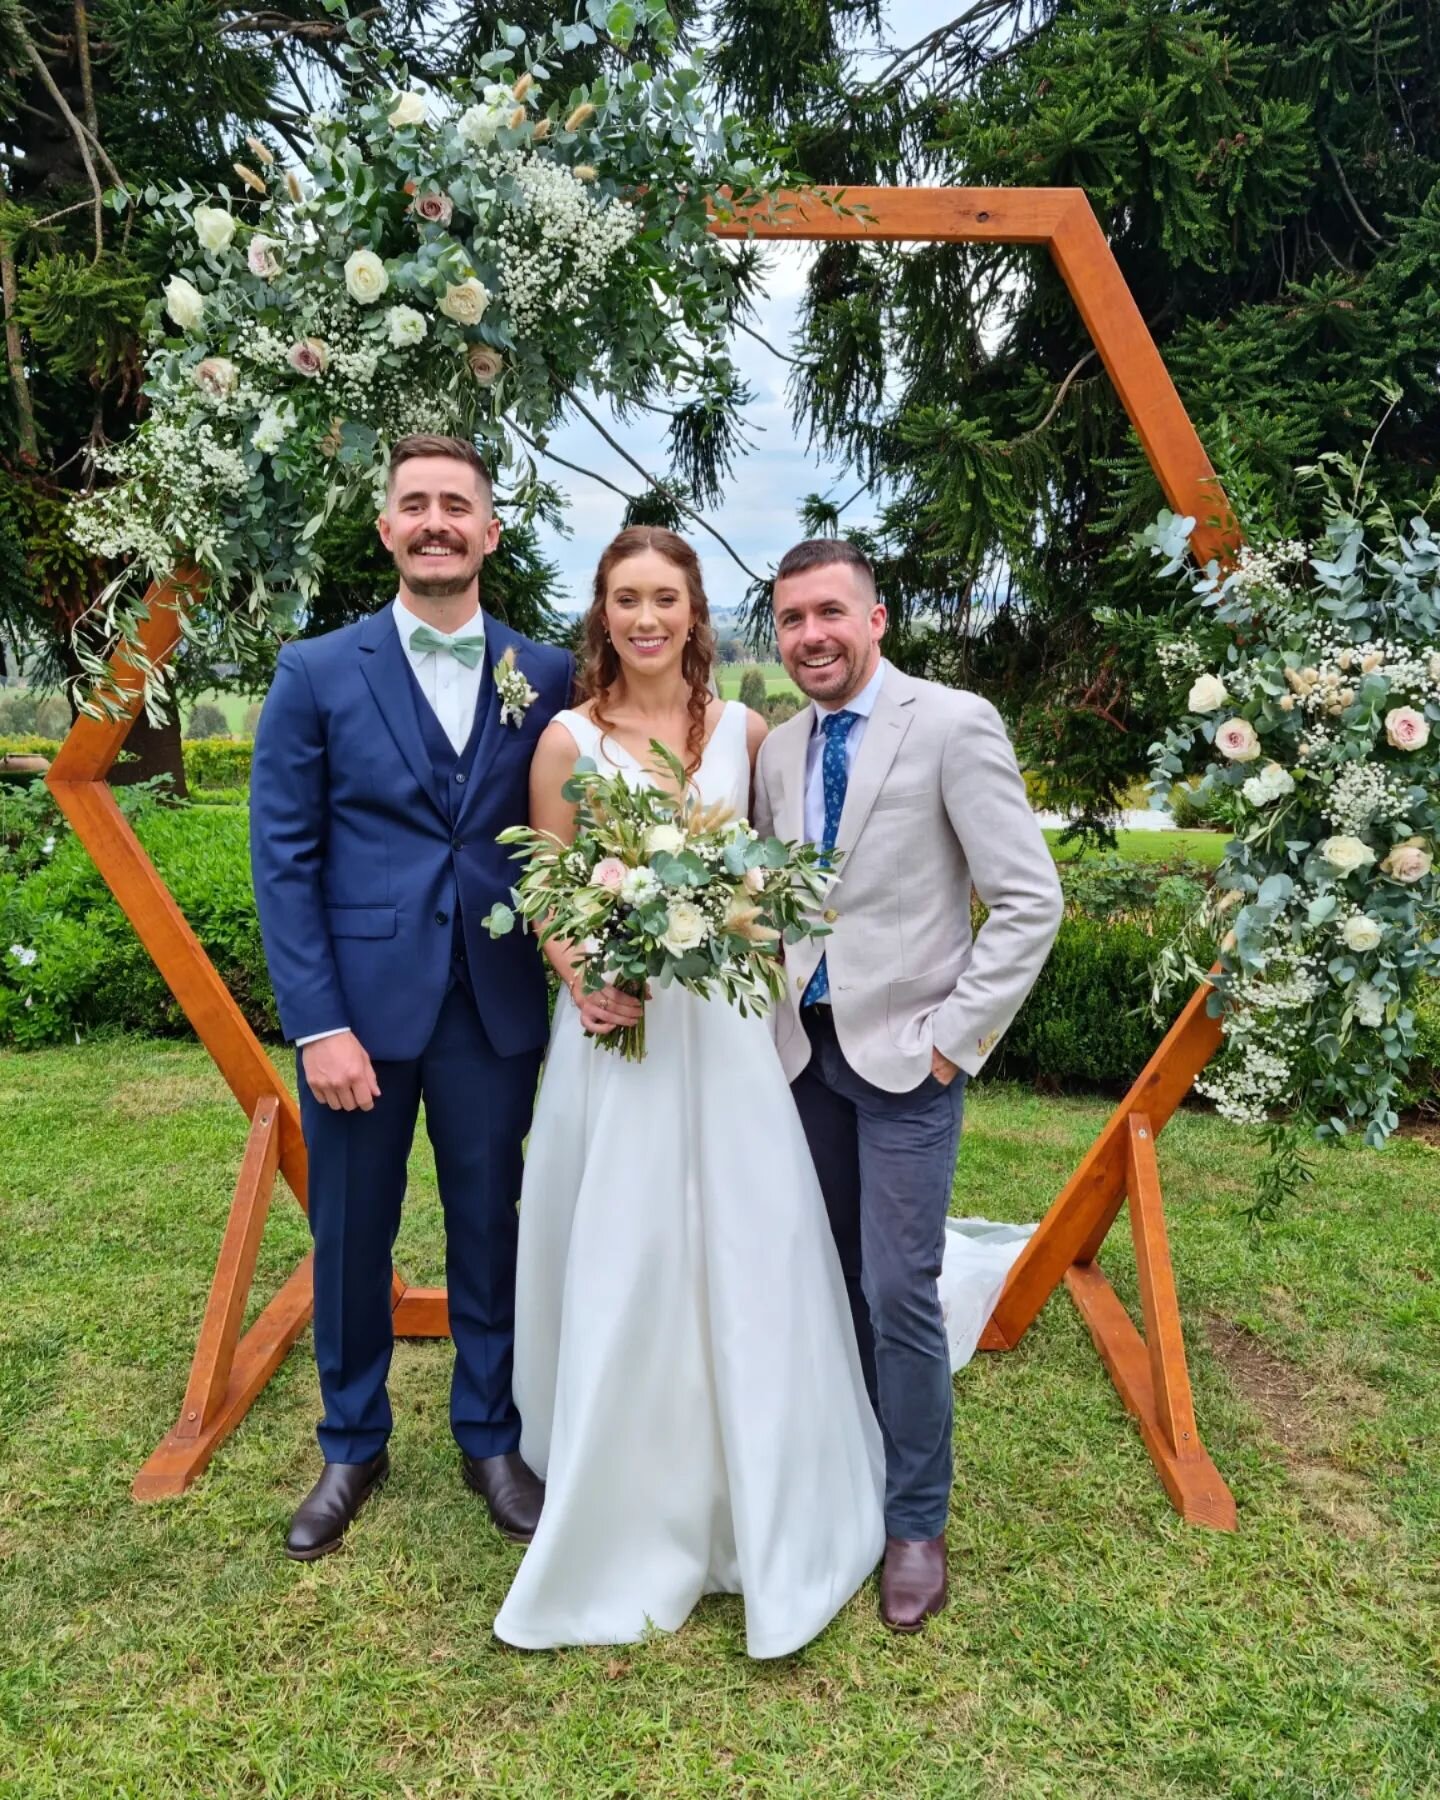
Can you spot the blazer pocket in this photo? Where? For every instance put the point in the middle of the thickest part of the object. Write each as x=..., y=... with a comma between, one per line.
x=908, y=797
x=361, y=921
x=911, y=1001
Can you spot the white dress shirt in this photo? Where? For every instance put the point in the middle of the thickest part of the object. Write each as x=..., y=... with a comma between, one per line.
x=452, y=691
x=862, y=705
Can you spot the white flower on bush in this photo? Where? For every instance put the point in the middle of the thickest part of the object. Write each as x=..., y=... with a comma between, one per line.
x=48, y=847
x=685, y=928
x=1237, y=740
x=215, y=228
x=478, y=125
x=184, y=303
x=311, y=356
x=664, y=837
x=1207, y=695
x=1408, y=862
x=1361, y=932
x=261, y=256
x=1272, y=783
x=1406, y=729
x=465, y=301
x=273, y=428
x=405, y=326
x=1346, y=854
x=1369, y=1005
x=409, y=109
x=638, y=886
x=215, y=376
x=365, y=276
x=23, y=954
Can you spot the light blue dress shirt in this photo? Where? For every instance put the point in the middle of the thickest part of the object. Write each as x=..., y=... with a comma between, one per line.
x=863, y=704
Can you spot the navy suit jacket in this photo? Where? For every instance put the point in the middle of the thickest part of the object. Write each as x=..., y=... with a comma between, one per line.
x=360, y=861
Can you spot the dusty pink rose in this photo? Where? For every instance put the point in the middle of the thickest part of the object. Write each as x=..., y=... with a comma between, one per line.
x=435, y=209
x=755, y=881
x=216, y=376
x=1237, y=740
x=1408, y=862
x=485, y=364
x=309, y=357
x=1406, y=728
x=261, y=258
x=608, y=873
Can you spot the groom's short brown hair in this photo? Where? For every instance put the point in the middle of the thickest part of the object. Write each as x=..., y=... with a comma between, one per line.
x=822, y=553
x=406, y=449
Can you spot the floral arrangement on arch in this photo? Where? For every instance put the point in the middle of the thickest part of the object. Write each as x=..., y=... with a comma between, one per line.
x=1307, y=677
x=458, y=260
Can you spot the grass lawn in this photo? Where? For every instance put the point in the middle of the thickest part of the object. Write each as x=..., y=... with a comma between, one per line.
x=1093, y=1646
x=728, y=676
x=1151, y=846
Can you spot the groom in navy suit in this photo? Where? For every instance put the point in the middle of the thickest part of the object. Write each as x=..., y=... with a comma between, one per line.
x=388, y=757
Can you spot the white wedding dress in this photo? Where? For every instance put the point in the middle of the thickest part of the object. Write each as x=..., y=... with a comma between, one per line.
x=685, y=1365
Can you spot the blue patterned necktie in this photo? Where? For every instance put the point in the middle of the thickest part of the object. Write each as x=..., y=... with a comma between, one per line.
x=835, y=775
x=466, y=650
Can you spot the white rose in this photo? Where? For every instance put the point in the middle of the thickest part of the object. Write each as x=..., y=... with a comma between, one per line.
x=465, y=301
x=1207, y=695
x=685, y=928
x=478, y=124
x=1272, y=783
x=1406, y=729
x=1347, y=854
x=184, y=303
x=1408, y=862
x=410, y=109
x=261, y=258
x=406, y=326
x=1369, y=1005
x=365, y=276
x=1236, y=739
x=214, y=227
x=1361, y=932
x=664, y=837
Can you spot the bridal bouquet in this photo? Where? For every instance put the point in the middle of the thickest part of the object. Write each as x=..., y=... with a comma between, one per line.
x=657, y=886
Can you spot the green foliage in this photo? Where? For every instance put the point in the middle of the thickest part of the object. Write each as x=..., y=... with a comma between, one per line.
x=218, y=762
x=753, y=689
x=206, y=721
x=25, y=713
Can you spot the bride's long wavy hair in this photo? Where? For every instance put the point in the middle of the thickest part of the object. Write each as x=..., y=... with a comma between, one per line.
x=601, y=669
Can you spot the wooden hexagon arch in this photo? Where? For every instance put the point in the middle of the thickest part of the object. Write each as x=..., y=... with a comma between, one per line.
x=1150, y=1373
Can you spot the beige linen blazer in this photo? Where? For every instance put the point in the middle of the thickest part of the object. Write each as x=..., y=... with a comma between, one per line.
x=935, y=805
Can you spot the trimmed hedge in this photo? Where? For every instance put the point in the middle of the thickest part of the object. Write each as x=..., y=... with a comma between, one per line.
x=209, y=762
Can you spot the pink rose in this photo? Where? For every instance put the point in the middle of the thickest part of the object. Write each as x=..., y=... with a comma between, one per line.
x=261, y=257
x=608, y=873
x=1406, y=729
x=485, y=364
x=309, y=357
x=1408, y=862
x=1237, y=740
x=435, y=209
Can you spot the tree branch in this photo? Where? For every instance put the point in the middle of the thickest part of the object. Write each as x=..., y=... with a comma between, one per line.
x=1056, y=403
x=87, y=79
x=15, y=355
x=565, y=463
x=750, y=331
x=659, y=487
x=1365, y=224
x=77, y=129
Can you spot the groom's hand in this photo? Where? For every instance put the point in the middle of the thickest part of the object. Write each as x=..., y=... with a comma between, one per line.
x=942, y=1068
x=340, y=1074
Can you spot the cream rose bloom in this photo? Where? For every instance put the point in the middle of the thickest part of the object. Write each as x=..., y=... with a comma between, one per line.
x=409, y=109
x=215, y=228
x=1207, y=695
x=1347, y=854
x=665, y=837
x=261, y=258
x=184, y=303
x=478, y=125
x=1408, y=862
x=405, y=326
x=1272, y=783
x=1406, y=729
x=686, y=927
x=1237, y=740
x=365, y=276
x=465, y=301
x=1361, y=932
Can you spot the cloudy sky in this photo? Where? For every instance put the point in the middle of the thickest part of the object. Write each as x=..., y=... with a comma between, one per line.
x=759, y=513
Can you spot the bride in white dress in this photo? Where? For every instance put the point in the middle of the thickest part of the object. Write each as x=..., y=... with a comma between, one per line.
x=685, y=1364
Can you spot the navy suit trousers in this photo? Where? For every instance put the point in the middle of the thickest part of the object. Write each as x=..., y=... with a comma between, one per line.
x=477, y=1113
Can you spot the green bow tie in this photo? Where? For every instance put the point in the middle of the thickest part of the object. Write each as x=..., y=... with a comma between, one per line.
x=466, y=650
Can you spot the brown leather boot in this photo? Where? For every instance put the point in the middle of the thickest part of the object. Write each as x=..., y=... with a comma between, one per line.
x=511, y=1490
x=914, y=1582
x=327, y=1511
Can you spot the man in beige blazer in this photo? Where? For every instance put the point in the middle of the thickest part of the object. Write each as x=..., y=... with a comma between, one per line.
x=917, y=787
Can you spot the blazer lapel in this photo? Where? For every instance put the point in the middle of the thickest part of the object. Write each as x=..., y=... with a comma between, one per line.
x=382, y=663
x=894, y=710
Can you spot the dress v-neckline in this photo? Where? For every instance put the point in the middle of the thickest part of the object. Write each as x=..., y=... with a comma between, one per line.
x=604, y=738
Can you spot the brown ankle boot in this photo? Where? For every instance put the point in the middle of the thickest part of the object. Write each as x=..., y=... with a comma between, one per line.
x=913, y=1583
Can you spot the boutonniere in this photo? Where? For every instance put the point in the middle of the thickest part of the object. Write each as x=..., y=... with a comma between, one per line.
x=516, y=693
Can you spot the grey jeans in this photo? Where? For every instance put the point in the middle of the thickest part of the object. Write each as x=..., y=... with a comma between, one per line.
x=886, y=1164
